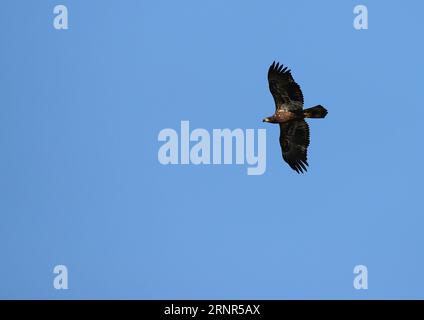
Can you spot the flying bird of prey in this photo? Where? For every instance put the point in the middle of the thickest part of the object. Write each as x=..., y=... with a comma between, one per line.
x=290, y=115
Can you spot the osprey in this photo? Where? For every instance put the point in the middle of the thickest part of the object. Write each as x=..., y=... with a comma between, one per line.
x=290, y=115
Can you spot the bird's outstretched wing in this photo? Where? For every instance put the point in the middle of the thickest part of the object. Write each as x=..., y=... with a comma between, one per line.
x=286, y=92
x=294, y=142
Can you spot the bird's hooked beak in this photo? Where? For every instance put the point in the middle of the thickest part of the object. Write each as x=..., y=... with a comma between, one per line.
x=266, y=120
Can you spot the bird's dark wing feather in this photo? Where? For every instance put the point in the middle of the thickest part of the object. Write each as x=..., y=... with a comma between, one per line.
x=294, y=142
x=286, y=92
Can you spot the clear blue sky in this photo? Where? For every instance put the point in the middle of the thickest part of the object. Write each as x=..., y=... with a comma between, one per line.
x=80, y=183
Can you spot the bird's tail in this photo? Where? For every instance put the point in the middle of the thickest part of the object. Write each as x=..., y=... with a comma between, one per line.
x=315, y=112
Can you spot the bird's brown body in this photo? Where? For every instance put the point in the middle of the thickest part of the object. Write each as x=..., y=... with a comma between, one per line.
x=281, y=116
